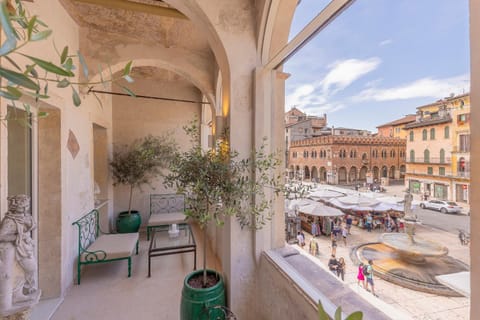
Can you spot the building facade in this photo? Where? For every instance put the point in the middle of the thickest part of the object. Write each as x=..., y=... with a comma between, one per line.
x=396, y=128
x=347, y=159
x=438, y=150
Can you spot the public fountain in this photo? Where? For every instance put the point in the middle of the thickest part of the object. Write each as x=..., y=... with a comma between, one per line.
x=410, y=261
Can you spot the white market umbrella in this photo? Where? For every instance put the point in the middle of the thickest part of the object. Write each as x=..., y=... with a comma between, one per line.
x=355, y=200
x=296, y=203
x=321, y=210
x=326, y=194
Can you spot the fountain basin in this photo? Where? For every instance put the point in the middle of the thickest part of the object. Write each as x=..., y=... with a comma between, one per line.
x=413, y=250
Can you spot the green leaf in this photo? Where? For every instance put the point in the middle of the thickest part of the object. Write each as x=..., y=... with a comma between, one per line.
x=63, y=83
x=126, y=70
x=128, y=78
x=64, y=55
x=357, y=315
x=50, y=67
x=68, y=65
x=14, y=91
x=128, y=91
x=30, y=26
x=84, y=64
x=41, y=35
x=13, y=62
x=7, y=95
x=18, y=78
x=31, y=70
x=42, y=114
x=76, y=97
x=10, y=43
x=338, y=313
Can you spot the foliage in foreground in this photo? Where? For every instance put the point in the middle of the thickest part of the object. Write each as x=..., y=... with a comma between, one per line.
x=33, y=80
x=322, y=315
x=138, y=163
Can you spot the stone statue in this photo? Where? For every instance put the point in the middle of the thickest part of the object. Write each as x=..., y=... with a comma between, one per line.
x=18, y=290
x=410, y=218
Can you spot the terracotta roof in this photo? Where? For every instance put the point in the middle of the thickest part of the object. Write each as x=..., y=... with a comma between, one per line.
x=407, y=119
x=429, y=122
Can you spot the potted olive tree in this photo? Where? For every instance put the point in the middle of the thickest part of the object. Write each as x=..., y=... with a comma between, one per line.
x=218, y=185
x=137, y=164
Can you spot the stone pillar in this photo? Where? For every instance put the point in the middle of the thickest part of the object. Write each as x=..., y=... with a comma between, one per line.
x=7, y=254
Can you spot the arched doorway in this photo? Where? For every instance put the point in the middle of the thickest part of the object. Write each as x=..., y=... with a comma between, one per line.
x=362, y=175
x=375, y=171
x=384, y=172
x=342, y=175
x=315, y=174
x=402, y=171
x=323, y=174
x=306, y=173
x=352, y=174
x=391, y=173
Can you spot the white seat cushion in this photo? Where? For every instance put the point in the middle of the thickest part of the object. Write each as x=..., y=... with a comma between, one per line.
x=119, y=245
x=161, y=219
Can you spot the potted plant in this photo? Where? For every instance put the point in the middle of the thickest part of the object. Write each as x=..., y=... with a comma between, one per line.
x=218, y=185
x=137, y=164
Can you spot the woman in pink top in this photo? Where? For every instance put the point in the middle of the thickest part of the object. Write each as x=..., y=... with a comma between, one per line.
x=360, y=276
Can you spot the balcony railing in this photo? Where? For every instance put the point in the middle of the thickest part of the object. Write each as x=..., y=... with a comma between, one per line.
x=448, y=174
x=430, y=160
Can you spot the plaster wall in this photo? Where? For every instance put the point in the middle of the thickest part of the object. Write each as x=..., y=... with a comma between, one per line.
x=475, y=156
x=279, y=297
x=136, y=118
x=75, y=172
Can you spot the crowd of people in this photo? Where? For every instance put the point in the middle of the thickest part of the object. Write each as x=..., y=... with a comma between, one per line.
x=340, y=230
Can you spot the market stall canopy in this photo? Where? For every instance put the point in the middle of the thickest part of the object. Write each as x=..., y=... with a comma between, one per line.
x=297, y=203
x=357, y=200
x=321, y=210
x=325, y=194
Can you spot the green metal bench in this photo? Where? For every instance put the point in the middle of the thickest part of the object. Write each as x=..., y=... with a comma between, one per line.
x=166, y=209
x=95, y=246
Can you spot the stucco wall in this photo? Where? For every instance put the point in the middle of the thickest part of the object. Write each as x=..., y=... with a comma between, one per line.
x=278, y=297
x=136, y=118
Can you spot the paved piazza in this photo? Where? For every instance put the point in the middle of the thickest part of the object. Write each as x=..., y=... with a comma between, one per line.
x=405, y=303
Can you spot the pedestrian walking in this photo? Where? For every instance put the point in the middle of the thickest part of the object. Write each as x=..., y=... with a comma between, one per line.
x=369, y=222
x=344, y=235
x=360, y=275
x=341, y=268
x=369, y=276
x=300, y=239
x=349, y=222
x=313, y=247
x=333, y=264
x=334, y=244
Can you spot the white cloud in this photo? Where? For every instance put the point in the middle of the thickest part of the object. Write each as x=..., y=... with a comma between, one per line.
x=385, y=42
x=421, y=88
x=343, y=73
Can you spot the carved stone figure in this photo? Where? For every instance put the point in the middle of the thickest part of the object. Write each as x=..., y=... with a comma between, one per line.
x=18, y=290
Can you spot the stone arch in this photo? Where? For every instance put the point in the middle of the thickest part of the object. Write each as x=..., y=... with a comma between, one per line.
x=306, y=173
x=402, y=171
x=375, y=172
x=323, y=174
x=342, y=175
x=362, y=175
x=384, y=171
x=352, y=174
x=391, y=172
x=314, y=174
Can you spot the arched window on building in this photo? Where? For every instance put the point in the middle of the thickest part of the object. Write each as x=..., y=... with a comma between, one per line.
x=442, y=156
x=411, y=135
x=446, y=132
x=426, y=156
x=412, y=155
x=424, y=134
x=432, y=134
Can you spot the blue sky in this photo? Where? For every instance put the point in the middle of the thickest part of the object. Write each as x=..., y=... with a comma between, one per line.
x=379, y=60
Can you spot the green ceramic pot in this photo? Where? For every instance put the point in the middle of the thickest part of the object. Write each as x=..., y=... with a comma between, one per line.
x=128, y=223
x=197, y=303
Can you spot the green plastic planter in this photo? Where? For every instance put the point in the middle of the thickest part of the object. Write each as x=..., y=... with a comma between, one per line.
x=196, y=303
x=128, y=223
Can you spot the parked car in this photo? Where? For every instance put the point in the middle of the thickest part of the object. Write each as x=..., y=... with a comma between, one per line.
x=442, y=206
